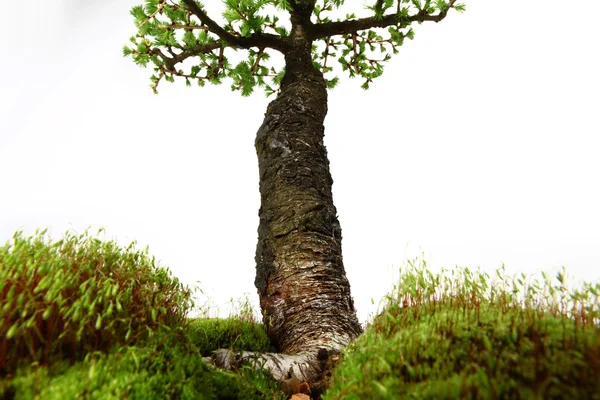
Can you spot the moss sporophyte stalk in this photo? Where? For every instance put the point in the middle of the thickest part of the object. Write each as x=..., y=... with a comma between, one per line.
x=448, y=335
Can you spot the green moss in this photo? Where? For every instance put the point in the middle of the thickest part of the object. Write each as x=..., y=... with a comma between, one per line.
x=467, y=340
x=168, y=367
x=438, y=337
x=212, y=334
x=67, y=298
x=82, y=318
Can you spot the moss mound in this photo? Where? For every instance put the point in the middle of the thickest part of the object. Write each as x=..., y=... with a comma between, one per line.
x=83, y=318
x=211, y=334
x=79, y=295
x=166, y=368
x=458, y=337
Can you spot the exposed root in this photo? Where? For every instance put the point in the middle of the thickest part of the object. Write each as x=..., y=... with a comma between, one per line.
x=299, y=373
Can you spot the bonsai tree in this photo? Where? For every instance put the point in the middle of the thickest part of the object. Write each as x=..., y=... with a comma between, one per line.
x=304, y=293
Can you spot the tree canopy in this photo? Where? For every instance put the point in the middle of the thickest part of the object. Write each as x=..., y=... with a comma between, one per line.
x=180, y=39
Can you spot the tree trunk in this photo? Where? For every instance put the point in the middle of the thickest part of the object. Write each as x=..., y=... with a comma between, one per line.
x=304, y=293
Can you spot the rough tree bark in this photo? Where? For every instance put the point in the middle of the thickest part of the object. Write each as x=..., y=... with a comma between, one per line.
x=304, y=293
x=300, y=277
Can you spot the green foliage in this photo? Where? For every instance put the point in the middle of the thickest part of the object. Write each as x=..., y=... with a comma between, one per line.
x=166, y=367
x=64, y=299
x=168, y=33
x=462, y=336
x=80, y=317
x=211, y=334
x=83, y=318
x=180, y=42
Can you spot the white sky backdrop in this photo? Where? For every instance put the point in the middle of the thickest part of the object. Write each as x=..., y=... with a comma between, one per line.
x=478, y=146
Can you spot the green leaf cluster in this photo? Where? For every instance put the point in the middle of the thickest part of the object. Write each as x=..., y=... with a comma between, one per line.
x=179, y=44
x=363, y=54
x=243, y=16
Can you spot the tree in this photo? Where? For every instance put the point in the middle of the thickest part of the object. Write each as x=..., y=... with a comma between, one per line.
x=304, y=293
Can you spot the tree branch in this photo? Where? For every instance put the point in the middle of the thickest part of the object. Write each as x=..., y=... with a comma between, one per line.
x=212, y=25
x=256, y=40
x=170, y=62
x=304, y=8
x=180, y=26
x=328, y=29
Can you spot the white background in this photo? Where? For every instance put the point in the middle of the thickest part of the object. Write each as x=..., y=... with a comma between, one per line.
x=478, y=146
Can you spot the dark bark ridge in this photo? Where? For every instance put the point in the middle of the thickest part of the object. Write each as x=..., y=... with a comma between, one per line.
x=301, y=281
x=304, y=293
x=303, y=289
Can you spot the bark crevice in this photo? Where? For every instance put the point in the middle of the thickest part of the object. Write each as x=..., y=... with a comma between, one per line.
x=301, y=281
x=304, y=294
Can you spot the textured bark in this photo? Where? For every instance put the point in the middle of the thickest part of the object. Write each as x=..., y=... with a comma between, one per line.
x=304, y=293
x=281, y=366
x=313, y=369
